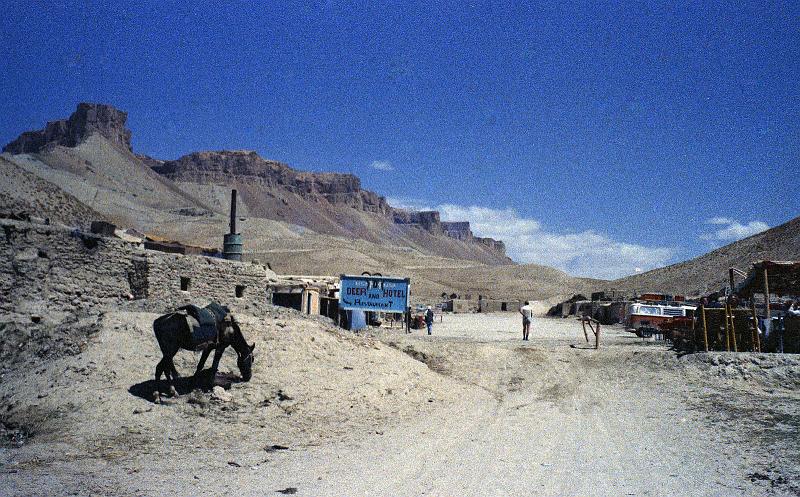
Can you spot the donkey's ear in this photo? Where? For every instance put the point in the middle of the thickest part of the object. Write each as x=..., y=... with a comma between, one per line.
x=252, y=347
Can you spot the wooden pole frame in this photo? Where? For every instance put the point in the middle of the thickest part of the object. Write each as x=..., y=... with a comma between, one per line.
x=756, y=337
x=727, y=330
x=733, y=328
x=767, y=312
x=597, y=337
x=730, y=278
x=587, y=320
x=705, y=327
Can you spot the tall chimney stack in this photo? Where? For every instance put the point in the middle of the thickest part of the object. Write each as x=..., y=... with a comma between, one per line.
x=233, y=211
x=232, y=242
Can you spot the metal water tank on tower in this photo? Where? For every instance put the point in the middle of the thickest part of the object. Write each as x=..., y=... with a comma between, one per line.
x=232, y=243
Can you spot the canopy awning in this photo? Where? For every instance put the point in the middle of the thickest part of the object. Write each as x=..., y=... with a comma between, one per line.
x=783, y=278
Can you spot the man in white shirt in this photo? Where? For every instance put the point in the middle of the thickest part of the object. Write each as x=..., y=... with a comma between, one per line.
x=527, y=316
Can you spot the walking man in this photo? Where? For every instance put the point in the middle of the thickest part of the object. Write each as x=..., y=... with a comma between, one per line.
x=429, y=319
x=527, y=316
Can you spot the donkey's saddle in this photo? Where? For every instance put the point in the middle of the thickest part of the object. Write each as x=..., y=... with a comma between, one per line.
x=208, y=319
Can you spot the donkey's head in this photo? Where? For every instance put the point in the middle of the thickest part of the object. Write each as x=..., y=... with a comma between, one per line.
x=243, y=350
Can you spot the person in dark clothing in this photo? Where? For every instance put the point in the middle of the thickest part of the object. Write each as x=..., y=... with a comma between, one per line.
x=429, y=319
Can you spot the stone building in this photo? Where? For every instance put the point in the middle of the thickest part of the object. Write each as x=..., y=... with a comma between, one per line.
x=459, y=306
x=56, y=269
x=307, y=294
x=489, y=305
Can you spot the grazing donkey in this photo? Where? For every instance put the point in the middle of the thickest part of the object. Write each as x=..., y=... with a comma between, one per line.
x=192, y=328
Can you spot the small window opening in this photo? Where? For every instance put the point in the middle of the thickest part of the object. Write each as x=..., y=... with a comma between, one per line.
x=504, y=306
x=185, y=283
x=240, y=291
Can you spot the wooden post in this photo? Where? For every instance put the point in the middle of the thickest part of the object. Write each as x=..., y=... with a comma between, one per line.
x=597, y=337
x=727, y=330
x=586, y=335
x=730, y=277
x=767, y=313
x=705, y=328
x=733, y=329
x=756, y=337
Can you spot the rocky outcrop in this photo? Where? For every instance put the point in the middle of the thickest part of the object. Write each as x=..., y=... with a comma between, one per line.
x=229, y=166
x=497, y=245
x=89, y=118
x=428, y=220
x=460, y=230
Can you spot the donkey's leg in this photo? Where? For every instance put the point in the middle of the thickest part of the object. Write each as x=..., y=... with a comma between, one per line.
x=217, y=356
x=202, y=362
x=169, y=367
x=174, y=371
x=159, y=370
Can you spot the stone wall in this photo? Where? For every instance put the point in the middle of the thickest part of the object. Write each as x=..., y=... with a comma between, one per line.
x=486, y=305
x=53, y=270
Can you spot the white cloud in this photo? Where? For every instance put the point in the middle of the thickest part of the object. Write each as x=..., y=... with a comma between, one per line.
x=719, y=220
x=731, y=230
x=410, y=204
x=585, y=253
x=382, y=165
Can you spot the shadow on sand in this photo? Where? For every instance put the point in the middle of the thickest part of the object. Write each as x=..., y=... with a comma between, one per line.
x=184, y=384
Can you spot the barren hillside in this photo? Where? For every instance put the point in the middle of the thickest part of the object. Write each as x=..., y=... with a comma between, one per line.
x=30, y=195
x=299, y=222
x=709, y=272
x=89, y=156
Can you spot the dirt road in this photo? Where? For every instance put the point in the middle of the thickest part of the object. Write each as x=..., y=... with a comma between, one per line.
x=549, y=420
x=547, y=417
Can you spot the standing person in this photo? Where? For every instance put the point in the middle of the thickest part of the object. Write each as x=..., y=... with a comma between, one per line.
x=527, y=316
x=429, y=319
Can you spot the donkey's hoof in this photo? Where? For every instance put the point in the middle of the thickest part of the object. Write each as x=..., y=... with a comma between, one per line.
x=173, y=392
x=156, y=397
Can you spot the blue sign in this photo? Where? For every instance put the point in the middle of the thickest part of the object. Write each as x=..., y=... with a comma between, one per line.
x=374, y=293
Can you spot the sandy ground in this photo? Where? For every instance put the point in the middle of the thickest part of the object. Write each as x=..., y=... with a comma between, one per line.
x=471, y=410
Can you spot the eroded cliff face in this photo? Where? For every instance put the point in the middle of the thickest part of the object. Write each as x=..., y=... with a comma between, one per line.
x=225, y=167
x=87, y=119
x=243, y=166
x=428, y=220
x=497, y=245
x=460, y=230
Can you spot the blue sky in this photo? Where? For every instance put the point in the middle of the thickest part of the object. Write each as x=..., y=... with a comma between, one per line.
x=596, y=137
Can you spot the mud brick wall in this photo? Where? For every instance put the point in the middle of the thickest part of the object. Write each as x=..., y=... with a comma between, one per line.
x=52, y=270
x=205, y=278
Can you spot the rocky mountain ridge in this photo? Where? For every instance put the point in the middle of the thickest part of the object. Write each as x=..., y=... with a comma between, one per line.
x=326, y=202
x=224, y=166
x=229, y=166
